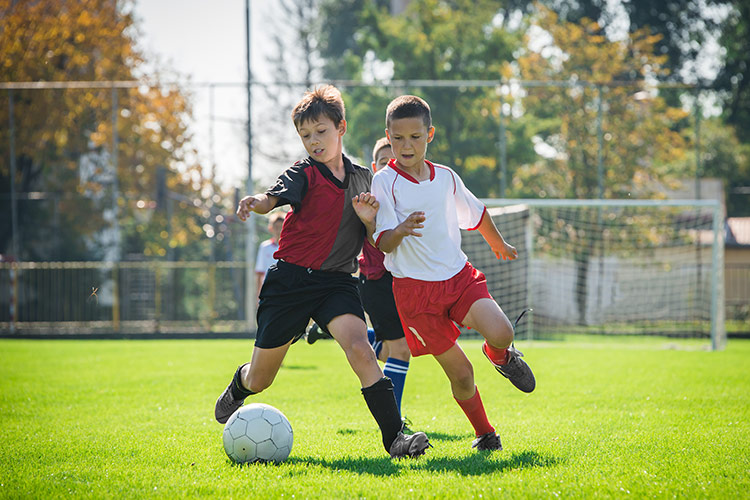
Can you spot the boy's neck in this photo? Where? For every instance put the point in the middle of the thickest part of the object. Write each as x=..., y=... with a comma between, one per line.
x=336, y=166
x=420, y=171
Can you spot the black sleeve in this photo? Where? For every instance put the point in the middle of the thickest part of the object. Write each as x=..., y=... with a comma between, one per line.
x=290, y=187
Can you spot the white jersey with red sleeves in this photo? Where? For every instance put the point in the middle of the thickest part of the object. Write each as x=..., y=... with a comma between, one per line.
x=448, y=207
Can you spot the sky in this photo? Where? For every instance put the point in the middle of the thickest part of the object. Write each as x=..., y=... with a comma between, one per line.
x=205, y=42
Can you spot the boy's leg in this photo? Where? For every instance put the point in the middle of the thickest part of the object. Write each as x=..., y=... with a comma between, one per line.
x=250, y=378
x=380, y=348
x=350, y=332
x=486, y=317
x=397, y=366
x=458, y=368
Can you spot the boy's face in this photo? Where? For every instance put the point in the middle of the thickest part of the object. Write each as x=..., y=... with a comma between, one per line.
x=409, y=138
x=382, y=158
x=275, y=228
x=322, y=139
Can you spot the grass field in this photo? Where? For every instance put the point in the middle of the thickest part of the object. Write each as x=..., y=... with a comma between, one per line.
x=133, y=419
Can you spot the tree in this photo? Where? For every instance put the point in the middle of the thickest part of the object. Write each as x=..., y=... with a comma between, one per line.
x=734, y=77
x=431, y=40
x=293, y=57
x=640, y=133
x=64, y=137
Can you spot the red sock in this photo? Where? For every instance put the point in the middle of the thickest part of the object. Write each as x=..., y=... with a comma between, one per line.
x=498, y=356
x=474, y=410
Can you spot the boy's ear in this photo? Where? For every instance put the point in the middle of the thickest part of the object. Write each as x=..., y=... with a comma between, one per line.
x=342, y=127
x=387, y=135
x=430, y=134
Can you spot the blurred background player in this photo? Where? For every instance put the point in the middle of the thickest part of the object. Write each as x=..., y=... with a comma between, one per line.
x=423, y=206
x=267, y=248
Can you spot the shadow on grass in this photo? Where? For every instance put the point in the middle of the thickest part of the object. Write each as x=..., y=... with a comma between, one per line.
x=442, y=436
x=474, y=465
x=300, y=367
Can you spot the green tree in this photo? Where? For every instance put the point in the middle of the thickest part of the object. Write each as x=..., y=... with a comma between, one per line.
x=641, y=132
x=734, y=77
x=433, y=40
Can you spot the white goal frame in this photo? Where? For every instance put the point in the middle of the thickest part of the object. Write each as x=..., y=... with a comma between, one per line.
x=500, y=207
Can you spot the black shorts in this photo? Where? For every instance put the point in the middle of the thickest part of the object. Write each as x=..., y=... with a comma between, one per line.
x=291, y=295
x=377, y=298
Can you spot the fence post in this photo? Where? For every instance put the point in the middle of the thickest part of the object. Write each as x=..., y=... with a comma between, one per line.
x=503, y=150
x=600, y=138
x=211, y=295
x=115, y=297
x=157, y=297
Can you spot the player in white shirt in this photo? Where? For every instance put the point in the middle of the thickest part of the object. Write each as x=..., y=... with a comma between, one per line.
x=423, y=206
x=267, y=248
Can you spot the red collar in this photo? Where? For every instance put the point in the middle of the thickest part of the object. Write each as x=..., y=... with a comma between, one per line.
x=409, y=177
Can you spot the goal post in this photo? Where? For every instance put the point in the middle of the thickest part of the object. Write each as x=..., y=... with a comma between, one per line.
x=611, y=267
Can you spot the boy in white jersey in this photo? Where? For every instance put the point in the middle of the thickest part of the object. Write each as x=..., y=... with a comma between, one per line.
x=423, y=206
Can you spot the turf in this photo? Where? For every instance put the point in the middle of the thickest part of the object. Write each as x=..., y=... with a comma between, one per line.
x=134, y=419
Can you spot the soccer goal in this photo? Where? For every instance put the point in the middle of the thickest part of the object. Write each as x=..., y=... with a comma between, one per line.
x=640, y=267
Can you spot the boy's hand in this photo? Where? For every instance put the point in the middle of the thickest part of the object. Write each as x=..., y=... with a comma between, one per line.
x=505, y=251
x=411, y=224
x=246, y=206
x=366, y=207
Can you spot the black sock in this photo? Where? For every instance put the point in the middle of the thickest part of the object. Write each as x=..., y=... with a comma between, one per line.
x=236, y=388
x=382, y=404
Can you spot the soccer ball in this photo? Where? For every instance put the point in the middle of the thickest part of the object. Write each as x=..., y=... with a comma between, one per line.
x=258, y=433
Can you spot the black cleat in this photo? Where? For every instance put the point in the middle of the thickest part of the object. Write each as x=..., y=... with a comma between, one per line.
x=515, y=369
x=316, y=333
x=487, y=442
x=226, y=405
x=409, y=446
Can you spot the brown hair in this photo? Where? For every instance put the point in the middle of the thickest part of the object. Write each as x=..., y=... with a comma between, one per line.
x=324, y=101
x=380, y=144
x=408, y=106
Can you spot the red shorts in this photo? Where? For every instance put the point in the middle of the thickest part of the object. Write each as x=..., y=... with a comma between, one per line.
x=429, y=309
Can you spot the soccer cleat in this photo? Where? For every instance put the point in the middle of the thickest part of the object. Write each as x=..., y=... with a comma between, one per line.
x=409, y=446
x=315, y=333
x=487, y=442
x=515, y=369
x=226, y=405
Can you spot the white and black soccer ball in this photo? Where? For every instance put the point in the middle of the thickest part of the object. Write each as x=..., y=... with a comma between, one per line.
x=258, y=433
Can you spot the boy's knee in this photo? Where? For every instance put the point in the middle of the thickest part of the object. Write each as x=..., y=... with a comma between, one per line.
x=464, y=378
x=361, y=349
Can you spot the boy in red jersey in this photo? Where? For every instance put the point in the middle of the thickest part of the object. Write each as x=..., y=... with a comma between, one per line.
x=423, y=206
x=318, y=247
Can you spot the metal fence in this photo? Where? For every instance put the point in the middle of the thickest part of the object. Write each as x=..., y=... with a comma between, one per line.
x=157, y=297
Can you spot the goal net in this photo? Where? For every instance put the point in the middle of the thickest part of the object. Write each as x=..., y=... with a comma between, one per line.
x=649, y=267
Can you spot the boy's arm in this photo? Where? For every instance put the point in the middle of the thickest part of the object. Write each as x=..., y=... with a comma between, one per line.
x=492, y=236
x=366, y=207
x=259, y=203
x=390, y=239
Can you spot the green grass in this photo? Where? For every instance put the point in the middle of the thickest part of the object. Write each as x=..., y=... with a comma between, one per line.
x=134, y=419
